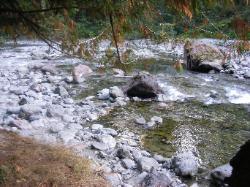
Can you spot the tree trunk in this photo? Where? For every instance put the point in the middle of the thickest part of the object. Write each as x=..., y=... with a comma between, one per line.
x=114, y=37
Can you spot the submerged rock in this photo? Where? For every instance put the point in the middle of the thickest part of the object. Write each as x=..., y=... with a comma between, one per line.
x=241, y=167
x=143, y=85
x=203, y=57
x=79, y=72
x=185, y=164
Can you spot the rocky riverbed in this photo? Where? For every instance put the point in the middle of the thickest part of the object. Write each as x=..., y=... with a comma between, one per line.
x=132, y=141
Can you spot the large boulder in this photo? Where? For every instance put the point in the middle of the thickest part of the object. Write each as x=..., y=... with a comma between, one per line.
x=203, y=57
x=241, y=167
x=79, y=72
x=143, y=85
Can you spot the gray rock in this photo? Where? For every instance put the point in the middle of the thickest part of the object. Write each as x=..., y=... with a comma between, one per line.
x=128, y=163
x=20, y=124
x=67, y=135
x=108, y=140
x=13, y=110
x=109, y=131
x=56, y=127
x=29, y=110
x=80, y=72
x=114, y=179
x=247, y=75
x=219, y=174
x=138, y=179
x=61, y=91
x=160, y=158
x=96, y=127
x=157, y=178
x=103, y=94
x=156, y=119
x=203, y=57
x=146, y=164
x=123, y=152
x=143, y=86
x=118, y=72
x=23, y=101
x=99, y=146
x=49, y=69
x=140, y=121
x=185, y=164
x=116, y=92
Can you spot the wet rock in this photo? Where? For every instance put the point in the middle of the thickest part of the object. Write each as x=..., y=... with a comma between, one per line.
x=115, y=92
x=103, y=94
x=140, y=121
x=185, y=164
x=219, y=174
x=143, y=85
x=241, y=167
x=79, y=72
x=61, y=91
x=128, y=163
x=203, y=57
x=146, y=164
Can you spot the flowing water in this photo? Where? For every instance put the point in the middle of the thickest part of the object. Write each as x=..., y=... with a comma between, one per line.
x=208, y=114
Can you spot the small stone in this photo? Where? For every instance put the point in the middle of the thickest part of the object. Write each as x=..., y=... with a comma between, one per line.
x=114, y=179
x=138, y=179
x=103, y=94
x=109, y=131
x=29, y=110
x=128, y=163
x=118, y=72
x=96, y=127
x=156, y=119
x=123, y=153
x=140, y=121
x=247, y=75
x=116, y=92
x=108, y=140
x=99, y=146
x=22, y=101
x=61, y=91
x=146, y=164
x=160, y=158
